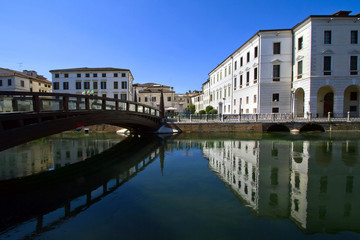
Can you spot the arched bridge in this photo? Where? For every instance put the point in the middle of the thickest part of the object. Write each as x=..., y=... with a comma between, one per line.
x=25, y=116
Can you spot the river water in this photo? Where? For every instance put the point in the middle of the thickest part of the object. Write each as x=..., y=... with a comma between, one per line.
x=186, y=186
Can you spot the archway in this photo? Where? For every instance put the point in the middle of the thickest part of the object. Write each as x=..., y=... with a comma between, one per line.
x=325, y=101
x=351, y=101
x=278, y=128
x=312, y=128
x=299, y=102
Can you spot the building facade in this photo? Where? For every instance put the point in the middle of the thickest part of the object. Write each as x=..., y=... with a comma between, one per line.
x=150, y=94
x=26, y=81
x=104, y=82
x=311, y=68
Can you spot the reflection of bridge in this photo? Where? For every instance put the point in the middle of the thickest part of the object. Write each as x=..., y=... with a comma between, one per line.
x=73, y=188
x=25, y=116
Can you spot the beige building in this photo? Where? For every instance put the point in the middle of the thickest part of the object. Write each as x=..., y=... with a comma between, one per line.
x=150, y=94
x=26, y=81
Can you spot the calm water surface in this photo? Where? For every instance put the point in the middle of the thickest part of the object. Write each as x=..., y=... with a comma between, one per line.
x=188, y=186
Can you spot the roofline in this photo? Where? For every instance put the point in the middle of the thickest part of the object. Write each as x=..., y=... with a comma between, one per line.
x=85, y=69
x=323, y=16
x=256, y=34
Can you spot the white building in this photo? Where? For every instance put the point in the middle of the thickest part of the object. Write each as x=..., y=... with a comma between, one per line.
x=206, y=93
x=312, y=67
x=326, y=64
x=105, y=82
x=26, y=81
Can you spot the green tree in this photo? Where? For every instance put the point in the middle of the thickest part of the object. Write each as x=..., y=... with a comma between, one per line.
x=208, y=109
x=202, y=112
x=190, y=108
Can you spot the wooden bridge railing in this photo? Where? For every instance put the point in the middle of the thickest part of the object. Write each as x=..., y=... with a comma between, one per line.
x=17, y=102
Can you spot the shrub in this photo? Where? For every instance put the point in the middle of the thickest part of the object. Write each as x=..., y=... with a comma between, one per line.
x=202, y=112
x=208, y=108
x=213, y=111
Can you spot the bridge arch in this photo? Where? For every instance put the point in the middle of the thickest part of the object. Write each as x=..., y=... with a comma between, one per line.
x=278, y=128
x=310, y=127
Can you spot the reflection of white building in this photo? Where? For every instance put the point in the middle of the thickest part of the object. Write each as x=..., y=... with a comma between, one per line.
x=236, y=163
x=324, y=183
x=26, y=159
x=68, y=151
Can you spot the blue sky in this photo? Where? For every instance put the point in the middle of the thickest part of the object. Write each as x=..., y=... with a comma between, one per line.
x=172, y=42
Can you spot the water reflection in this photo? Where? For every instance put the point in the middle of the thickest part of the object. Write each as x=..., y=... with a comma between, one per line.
x=313, y=183
x=39, y=202
x=52, y=153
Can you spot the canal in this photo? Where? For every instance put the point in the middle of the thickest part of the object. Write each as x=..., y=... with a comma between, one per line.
x=186, y=186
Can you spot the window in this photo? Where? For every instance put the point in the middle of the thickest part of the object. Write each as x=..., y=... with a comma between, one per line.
x=248, y=57
x=39, y=84
x=229, y=70
x=87, y=75
x=103, y=85
x=123, y=96
x=153, y=99
x=255, y=75
x=86, y=85
x=299, y=69
x=95, y=75
x=235, y=65
x=220, y=75
x=275, y=110
x=225, y=71
x=116, y=85
x=353, y=109
x=327, y=37
x=275, y=97
x=65, y=85
x=66, y=75
x=31, y=89
x=103, y=95
x=276, y=48
x=103, y=75
x=247, y=99
x=300, y=43
x=77, y=85
x=124, y=85
x=123, y=75
x=57, y=75
x=234, y=83
x=240, y=101
x=1, y=83
x=9, y=82
x=95, y=85
x=115, y=75
x=146, y=99
x=276, y=73
x=247, y=78
x=353, y=96
x=254, y=98
x=55, y=85
x=234, y=101
x=78, y=75
x=255, y=52
x=327, y=65
x=116, y=96
x=241, y=62
x=354, y=37
x=353, y=65
x=169, y=99
x=22, y=83
x=241, y=80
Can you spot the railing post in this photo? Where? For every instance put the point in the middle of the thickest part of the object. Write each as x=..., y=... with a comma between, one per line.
x=179, y=117
x=239, y=117
x=309, y=116
x=190, y=117
x=116, y=105
x=36, y=103
x=207, y=117
x=87, y=103
x=329, y=115
x=66, y=103
x=136, y=108
x=348, y=116
x=256, y=117
x=128, y=107
x=103, y=104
